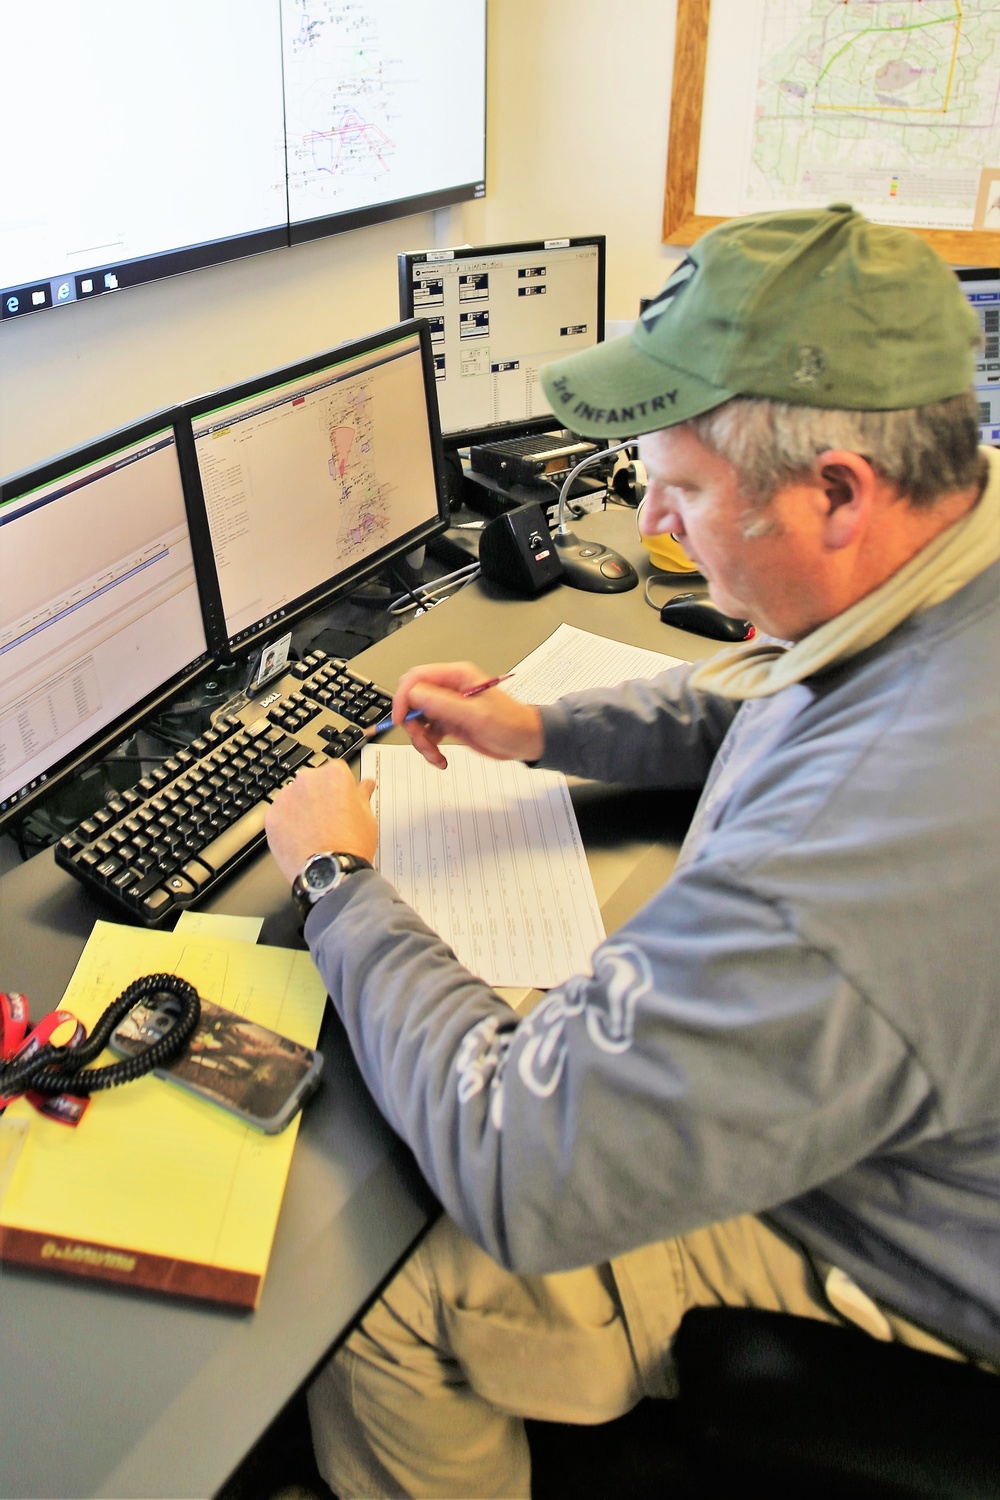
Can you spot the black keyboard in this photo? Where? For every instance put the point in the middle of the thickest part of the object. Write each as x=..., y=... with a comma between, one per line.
x=166, y=842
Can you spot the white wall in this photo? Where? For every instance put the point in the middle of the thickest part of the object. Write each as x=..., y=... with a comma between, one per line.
x=579, y=111
x=577, y=116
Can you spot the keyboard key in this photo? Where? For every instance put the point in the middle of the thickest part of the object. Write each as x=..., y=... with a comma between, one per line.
x=237, y=837
x=155, y=904
x=295, y=758
x=197, y=873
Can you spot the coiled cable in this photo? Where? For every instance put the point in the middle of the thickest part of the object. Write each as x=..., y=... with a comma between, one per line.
x=63, y=1069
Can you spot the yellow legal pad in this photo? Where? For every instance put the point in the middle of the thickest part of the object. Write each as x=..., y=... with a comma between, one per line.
x=157, y=1188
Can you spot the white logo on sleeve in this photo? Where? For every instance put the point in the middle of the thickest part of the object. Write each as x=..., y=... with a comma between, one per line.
x=480, y=1063
x=607, y=1001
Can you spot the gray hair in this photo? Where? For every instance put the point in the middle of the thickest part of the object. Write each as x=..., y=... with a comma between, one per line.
x=924, y=451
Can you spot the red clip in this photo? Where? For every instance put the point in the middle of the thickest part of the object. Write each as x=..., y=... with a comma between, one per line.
x=17, y=1039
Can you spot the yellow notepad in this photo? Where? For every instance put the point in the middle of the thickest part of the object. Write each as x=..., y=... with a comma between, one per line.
x=155, y=1187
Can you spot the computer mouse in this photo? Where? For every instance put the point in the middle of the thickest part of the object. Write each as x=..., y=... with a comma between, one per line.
x=697, y=613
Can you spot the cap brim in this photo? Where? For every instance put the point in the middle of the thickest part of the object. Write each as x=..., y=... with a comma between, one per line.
x=614, y=390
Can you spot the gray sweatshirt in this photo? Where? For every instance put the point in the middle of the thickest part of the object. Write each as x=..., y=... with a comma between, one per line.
x=804, y=1022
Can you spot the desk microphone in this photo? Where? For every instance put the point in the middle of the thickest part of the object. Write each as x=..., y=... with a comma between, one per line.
x=588, y=565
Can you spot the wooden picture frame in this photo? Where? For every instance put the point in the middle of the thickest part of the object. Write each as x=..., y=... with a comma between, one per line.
x=681, y=225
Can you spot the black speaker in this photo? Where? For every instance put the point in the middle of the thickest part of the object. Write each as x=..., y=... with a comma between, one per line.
x=516, y=550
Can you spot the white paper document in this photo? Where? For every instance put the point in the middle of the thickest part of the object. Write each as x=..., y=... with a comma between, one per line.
x=572, y=659
x=490, y=855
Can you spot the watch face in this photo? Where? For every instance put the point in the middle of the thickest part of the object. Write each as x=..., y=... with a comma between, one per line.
x=321, y=872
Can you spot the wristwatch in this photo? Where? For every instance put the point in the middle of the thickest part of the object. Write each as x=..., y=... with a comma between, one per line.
x=321, y=874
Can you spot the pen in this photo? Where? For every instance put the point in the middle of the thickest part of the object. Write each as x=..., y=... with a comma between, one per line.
x=415, y=713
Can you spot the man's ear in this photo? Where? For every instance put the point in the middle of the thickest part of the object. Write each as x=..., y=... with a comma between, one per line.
x=847, y=482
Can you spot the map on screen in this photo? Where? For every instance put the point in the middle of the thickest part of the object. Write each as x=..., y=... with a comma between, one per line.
x=142, y=141
x=373, y=90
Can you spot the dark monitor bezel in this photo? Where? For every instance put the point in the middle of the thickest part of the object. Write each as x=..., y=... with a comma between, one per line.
x=973, y=274
x=407, y=259
x=268, y=629
x=98, y=745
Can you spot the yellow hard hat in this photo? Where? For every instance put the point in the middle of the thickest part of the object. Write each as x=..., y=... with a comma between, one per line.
x=666, y=552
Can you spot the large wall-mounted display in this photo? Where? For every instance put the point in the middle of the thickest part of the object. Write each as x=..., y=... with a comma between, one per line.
x=142, y=141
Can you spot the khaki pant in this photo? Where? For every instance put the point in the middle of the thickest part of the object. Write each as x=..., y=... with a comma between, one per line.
x=427, y=1396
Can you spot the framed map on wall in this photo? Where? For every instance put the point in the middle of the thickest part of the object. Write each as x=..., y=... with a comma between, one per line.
x=890, y=105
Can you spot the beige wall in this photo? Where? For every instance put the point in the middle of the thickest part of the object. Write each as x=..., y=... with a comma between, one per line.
x=579, y=113
x=578, y=105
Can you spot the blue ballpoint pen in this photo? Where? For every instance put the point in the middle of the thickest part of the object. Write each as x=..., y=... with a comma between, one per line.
x=415, y=713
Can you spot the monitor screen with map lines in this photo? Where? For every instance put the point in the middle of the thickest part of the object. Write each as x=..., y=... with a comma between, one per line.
x=314, y=476
x=192, y=134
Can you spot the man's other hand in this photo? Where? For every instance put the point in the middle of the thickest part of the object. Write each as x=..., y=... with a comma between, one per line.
x=321, y=810
x=492, y=723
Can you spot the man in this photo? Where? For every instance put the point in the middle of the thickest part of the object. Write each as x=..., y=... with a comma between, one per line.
x=779, y=1086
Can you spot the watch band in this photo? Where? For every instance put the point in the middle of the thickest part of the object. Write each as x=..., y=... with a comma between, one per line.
x=323, y=873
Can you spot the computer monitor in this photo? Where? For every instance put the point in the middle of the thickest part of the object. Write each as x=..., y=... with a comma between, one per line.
x=261, y=125
x=100, y=616
x=497, y=314
x=981, y=284
x=313, y=477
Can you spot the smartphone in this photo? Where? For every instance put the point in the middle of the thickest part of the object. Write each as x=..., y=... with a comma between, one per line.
x=261, y=1077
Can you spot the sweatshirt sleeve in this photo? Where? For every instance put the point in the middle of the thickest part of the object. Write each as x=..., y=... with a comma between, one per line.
x=655, y=732
x=713, y=1063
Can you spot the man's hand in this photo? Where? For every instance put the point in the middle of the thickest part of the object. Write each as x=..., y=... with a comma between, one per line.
x=492, y=723
x=321, y=810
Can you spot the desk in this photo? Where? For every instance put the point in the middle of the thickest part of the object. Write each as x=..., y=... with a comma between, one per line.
x=108, y=1392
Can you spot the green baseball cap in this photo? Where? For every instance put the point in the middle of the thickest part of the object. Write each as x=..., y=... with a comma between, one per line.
x=819, y=307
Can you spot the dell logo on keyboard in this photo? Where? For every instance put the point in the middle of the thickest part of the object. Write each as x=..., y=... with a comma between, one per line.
x=271, y=698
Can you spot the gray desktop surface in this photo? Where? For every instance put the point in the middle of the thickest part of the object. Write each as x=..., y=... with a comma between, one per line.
x=108, y=1392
